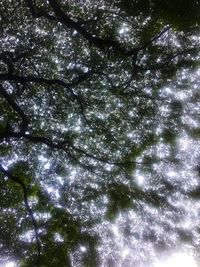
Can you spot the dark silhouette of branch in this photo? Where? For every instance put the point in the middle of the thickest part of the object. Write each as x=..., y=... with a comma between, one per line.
x=17, y=180
x=99, y=42
x=63, y=145
x=26, y=79
x=155, y=38
x=49, y=82
x=102, y=44
x=16, y=7
x=16, y=107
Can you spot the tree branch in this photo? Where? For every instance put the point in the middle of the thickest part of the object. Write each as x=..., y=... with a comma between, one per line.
x=28, y=208
x=62, y=17
x=17, y=108
x=51, y=82
x=155, y=38
x=101, y=43
x=61, y=145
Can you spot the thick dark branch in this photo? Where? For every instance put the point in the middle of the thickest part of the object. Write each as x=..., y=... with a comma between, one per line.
x=155, y=38
x=49, y=82
x=102, y=44
x=16, y=107
x=25, y=79
x=32, y=138
x=26, y=203
x=60, y=145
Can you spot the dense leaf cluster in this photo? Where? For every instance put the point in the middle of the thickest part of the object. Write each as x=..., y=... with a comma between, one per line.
x=84, y=105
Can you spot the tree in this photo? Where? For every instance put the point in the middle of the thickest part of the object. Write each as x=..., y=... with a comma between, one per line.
x=92, y=99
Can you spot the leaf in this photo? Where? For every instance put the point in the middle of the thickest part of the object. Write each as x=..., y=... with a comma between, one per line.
x=169, y=136
x=194, y=133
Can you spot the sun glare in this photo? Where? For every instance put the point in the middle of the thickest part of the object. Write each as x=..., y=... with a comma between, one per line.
x=9, y=264
x=177, y=260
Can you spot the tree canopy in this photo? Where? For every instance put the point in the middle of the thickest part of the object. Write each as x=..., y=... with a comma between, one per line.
x=99, y=131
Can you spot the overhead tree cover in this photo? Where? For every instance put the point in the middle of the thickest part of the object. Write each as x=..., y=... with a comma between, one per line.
x=95, y=100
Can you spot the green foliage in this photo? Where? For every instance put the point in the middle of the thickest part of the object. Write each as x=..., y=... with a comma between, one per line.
x=85, y=106
x=120, y=199
x=169, y=136
x=181, y=14
x=194, y=132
